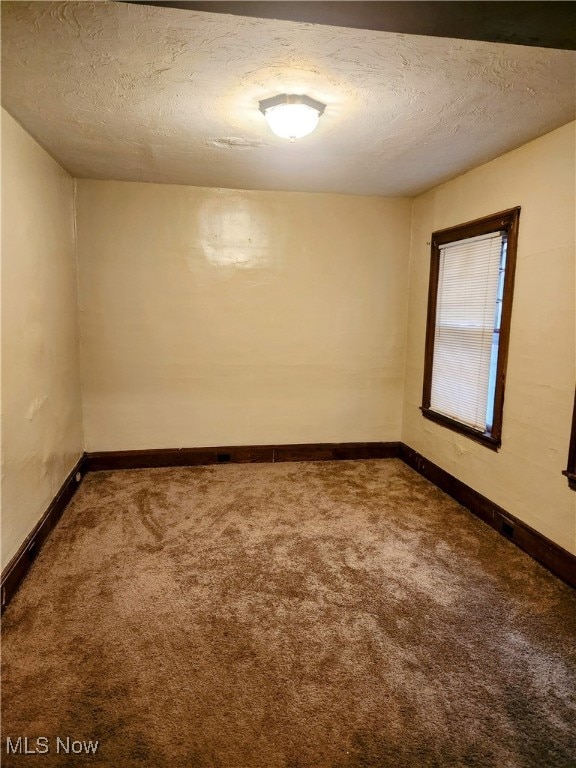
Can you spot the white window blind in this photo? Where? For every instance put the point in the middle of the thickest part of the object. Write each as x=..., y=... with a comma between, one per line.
x=464, y=338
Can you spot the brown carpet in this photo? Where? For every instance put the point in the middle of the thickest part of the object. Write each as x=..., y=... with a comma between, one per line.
x=313, y=615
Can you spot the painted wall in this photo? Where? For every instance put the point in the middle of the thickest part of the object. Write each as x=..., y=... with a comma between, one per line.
x=525, y=475
x=41, y=412
x=220, y=317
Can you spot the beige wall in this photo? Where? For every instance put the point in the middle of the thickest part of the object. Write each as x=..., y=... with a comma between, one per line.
x=41, y=414
x=221, y=317
x=525, y=475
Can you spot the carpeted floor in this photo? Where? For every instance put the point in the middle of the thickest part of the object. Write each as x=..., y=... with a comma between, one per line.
x=305, y=615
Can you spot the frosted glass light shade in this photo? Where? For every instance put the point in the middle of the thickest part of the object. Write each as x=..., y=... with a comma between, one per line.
x=292, y=121
x=291, y=117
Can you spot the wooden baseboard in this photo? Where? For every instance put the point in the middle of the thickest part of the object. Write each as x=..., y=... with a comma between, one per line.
x=17, y=568
x=552, y=556
x=238, y=454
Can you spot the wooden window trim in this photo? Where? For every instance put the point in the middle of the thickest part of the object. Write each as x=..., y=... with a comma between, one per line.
x=504, y=221
x=570, y=471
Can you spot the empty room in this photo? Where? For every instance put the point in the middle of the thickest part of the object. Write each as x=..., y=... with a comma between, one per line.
x=288, y=384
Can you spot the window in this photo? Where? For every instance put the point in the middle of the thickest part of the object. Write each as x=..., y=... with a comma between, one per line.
x=571, y=470
x=469, y=308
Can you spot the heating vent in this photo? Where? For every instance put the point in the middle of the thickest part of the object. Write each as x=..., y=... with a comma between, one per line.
x=507, y=529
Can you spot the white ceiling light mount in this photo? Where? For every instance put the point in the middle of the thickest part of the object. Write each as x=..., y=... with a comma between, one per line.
x=291, y=116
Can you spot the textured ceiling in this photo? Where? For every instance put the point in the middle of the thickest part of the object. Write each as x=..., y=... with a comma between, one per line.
x=140, y=93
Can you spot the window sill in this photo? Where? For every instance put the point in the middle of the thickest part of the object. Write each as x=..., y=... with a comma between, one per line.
x=483, y=438
x=571, y=479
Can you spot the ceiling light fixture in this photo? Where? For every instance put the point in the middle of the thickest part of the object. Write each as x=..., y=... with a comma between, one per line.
x=291, y=116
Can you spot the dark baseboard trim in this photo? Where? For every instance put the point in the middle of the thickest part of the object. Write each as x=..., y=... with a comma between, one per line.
x=238, y=454
x=336, y=451
x=552, y=556
x=18, y=567
x=571, y=479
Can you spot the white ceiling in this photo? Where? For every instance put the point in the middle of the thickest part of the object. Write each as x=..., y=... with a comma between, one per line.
x=140, y=93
